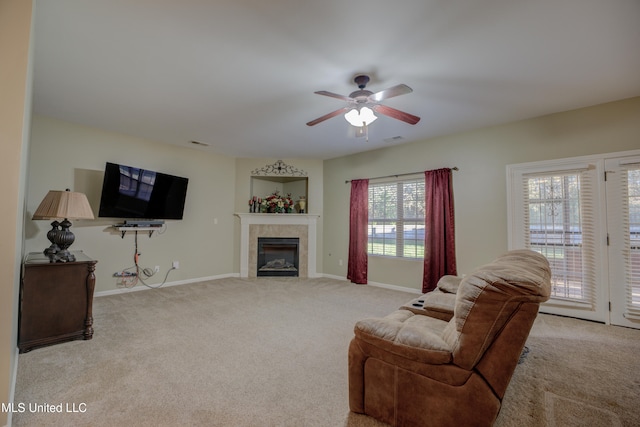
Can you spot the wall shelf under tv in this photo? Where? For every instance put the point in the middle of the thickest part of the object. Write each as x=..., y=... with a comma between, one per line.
x=124, y=229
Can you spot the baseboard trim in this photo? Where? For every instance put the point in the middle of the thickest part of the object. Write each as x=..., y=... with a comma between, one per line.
x=12, y=388
x=379, y=285
x=224, y=276
x=331, y=276
x=176, y=283
x=396, y=288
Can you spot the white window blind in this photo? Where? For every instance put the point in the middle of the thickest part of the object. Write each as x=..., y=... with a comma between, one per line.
x=396, y=218
x=630, y=186
x=559, y=223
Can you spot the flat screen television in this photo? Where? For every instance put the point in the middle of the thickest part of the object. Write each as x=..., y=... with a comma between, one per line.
x=129, y=192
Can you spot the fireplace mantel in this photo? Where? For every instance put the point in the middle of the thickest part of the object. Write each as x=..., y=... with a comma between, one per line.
x=247, y=245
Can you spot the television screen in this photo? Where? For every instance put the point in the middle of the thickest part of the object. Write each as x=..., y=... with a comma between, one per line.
x=129, y=192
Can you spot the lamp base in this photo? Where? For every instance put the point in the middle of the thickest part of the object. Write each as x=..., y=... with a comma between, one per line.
x=52, y=250
x=64, y=238
x=64, y=256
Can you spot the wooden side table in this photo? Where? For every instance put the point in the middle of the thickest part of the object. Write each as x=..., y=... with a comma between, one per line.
x=56, y=301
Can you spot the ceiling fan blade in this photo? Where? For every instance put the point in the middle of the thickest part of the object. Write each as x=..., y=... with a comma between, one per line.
x=334, y=95
x=396, y=114
x=328, y=116
x=390, y=93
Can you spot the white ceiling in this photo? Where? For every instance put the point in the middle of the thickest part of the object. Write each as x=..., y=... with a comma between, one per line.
x=240, y=74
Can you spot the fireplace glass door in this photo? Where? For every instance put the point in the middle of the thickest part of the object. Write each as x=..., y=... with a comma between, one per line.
x=278, y=256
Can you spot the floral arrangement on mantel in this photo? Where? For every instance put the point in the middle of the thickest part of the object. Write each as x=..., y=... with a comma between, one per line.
x=274, y=203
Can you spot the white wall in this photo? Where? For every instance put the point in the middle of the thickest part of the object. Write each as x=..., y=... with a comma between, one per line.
x=15, y=107
x=479, y=185
x=64, y=155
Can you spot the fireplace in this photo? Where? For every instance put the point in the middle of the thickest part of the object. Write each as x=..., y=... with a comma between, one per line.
x=301, y=226
x=278, y=256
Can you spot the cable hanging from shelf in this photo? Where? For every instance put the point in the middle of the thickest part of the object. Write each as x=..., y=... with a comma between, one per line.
x=130, y=279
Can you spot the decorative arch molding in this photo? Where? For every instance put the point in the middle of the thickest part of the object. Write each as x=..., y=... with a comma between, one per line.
x=279, y=168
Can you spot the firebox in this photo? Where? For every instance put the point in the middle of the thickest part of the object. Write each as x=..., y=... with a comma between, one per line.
x=278, y=256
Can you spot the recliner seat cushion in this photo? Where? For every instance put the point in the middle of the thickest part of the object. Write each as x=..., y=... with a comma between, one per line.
x=408, y=335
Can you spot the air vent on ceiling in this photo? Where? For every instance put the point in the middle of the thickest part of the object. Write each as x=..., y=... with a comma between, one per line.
x=204, y=144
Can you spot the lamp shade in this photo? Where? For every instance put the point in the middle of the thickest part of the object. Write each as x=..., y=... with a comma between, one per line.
x=361, y=117
x=64, y=205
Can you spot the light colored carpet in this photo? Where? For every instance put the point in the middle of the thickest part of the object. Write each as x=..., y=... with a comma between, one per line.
x=577, y=373
x=273, y=352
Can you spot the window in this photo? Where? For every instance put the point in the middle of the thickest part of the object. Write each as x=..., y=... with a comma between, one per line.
x=396, y=219
x=559, y=225
x=630, y=188
x=556, y=208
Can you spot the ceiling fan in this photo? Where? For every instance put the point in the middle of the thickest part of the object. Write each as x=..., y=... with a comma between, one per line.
x=362, y=103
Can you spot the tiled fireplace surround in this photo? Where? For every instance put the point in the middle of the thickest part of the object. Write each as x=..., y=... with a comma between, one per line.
x=302, y=226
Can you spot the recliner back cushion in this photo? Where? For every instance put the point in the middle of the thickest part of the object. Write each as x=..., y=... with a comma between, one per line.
x=487, y=299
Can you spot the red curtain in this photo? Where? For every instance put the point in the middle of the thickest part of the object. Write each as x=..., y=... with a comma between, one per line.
x=358, y=224
x=439, y=236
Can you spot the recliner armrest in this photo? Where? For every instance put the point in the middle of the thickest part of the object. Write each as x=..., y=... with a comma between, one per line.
x=435, y=304
x=438, y=303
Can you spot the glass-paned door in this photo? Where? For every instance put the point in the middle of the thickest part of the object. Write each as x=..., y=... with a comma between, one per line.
x=554, y=210
x=623, y=219
x=583, y=214
x=560, y=223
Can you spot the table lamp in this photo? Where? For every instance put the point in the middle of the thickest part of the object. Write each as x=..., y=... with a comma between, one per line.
x=62, y=205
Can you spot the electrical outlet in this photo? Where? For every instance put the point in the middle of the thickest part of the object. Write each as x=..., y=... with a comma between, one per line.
x=340, y=262
x=156, y=268
x=176, y=264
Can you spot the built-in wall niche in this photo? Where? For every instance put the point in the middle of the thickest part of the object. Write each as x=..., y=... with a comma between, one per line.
x=282, y=178
x=298, y=187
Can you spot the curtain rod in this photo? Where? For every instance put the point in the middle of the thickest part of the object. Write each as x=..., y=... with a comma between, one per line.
x=455, y=168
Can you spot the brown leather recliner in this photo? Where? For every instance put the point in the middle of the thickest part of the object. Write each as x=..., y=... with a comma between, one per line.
x=409, y=369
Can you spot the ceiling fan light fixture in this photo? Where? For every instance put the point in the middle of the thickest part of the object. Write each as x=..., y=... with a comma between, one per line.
x=362, y=117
